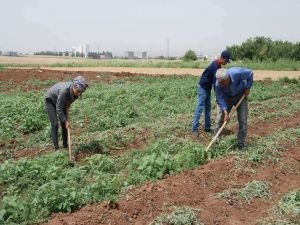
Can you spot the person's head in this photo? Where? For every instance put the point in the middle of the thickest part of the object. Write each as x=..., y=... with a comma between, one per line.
x=225, y=57
x=223, y=77
x=79, y=85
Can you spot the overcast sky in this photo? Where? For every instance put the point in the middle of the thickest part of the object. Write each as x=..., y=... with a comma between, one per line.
x=144, y=25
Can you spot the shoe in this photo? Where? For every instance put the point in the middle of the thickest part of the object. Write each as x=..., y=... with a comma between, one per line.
x=208, y=130
x=243, y=148
x=195, y=133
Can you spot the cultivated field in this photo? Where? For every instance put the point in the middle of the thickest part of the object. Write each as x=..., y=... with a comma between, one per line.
x=274, y=70
x=136, y=160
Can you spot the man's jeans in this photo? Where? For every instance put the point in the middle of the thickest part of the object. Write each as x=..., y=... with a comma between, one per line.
x=242, y=113
x=51, y=110
x=204, y=101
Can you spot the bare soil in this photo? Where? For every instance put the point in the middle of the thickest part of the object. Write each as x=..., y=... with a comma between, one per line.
x=258, y=74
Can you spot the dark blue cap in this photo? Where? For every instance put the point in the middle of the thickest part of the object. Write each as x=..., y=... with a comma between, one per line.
x=226, y=55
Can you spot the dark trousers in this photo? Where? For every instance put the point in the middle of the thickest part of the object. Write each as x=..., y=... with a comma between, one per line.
x=242, y=114
x=52, y=114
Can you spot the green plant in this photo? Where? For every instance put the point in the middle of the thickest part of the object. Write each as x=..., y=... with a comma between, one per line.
x=94, y=146
x=191, y=156
x=101, y=163
x=35, y=188
x=289, y=80
x=190, y=56
x=152, y=166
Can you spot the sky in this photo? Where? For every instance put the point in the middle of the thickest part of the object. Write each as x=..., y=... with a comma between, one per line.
x=206, y=27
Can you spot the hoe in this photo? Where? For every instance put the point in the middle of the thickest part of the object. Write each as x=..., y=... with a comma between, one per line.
x=71, y=160
x=224, y=124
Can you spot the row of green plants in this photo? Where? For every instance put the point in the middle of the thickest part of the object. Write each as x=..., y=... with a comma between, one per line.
x=21, y=114
x=110, y=108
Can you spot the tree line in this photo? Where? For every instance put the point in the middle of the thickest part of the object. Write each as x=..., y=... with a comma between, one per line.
x=264, y=49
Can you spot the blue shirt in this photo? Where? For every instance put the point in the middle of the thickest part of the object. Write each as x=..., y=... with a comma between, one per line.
x=241, y=79
x=208, y=77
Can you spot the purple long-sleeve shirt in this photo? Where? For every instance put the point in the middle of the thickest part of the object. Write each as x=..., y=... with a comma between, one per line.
x=241, y=79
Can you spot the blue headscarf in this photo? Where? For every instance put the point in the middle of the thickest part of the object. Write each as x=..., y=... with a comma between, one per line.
x=80, y=83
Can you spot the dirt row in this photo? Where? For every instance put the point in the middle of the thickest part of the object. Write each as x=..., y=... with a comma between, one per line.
x=91, y=72
x=258, y=74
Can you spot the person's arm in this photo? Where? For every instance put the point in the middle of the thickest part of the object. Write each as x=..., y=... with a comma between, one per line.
x=60, y=106
x=221, y=101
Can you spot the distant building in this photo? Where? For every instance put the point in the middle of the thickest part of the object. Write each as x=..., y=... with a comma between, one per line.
x=202, y=57
x=129, y=55
x=81, y=50
x=0, y=53
x=144, y=55
x=10, y=53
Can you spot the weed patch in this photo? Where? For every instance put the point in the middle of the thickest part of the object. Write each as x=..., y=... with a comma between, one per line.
x=180, y=216
x=253, y=189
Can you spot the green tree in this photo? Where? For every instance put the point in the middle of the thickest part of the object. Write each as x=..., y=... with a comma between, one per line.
x=263, y=48
x=190, y=56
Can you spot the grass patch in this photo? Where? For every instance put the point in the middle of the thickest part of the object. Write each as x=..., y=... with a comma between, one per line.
x=266, y=148
x=287, y=211
x=94, y=147
x=274, y=221
x=2, y=68
x=290, y=203
x=253, y=189
x=180, y=216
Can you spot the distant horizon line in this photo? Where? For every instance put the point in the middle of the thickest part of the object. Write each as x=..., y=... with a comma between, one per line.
x=150, y=53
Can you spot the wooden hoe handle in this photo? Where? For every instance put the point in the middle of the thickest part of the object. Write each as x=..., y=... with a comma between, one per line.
x=224, y=124
x=69, y=144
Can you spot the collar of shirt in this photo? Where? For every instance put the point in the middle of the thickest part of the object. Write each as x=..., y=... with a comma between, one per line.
x=72, y=96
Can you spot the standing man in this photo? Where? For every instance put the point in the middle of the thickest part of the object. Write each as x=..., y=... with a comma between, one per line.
x=58, y=100
x=206, y=82
x=231, y=84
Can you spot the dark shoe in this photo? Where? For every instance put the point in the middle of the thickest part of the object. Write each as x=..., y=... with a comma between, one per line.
x=208, y=130
x=56, y=148
x=243, y=148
